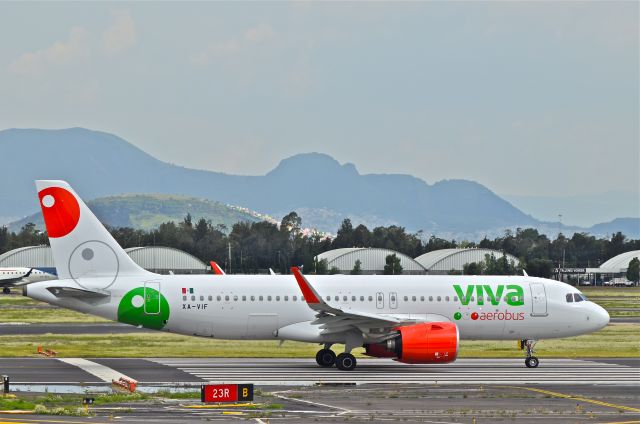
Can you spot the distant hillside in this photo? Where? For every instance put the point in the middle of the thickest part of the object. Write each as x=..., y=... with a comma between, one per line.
x=627, y=226
x=324, y=191
x=142, y=211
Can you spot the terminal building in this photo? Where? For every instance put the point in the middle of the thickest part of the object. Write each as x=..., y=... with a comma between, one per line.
x=161, y=260
x=444, y=261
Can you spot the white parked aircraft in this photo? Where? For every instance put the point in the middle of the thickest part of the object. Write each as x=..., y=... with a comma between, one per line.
x=412, y=319
x=19, y=276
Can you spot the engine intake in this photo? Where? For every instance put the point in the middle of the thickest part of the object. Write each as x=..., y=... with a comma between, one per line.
x=424, y=343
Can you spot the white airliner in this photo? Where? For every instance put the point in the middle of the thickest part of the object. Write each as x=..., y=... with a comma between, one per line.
x=12, y=277
x=412, y=319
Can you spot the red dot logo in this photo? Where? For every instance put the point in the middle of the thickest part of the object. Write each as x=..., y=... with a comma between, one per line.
x=60, y=210
x=474, y=316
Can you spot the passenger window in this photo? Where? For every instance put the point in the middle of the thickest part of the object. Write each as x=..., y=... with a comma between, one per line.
x=235, y=298
x=370, y=298
x=295, y=298
x=413, y=298
x=184, y=298
x=430, y=298
x=569, y=298
x=577, y=298
x=286, y=298
x=193, y=298
x=344, y=298
x=353, y=298
x=361, y=298
x=244, y=298
x=328, y=297
x=253, y=298
x=260, y=298
x=226, y=298
x=455, y=298
x=269, y=298
x=201, y=298
x=219, y=298
x=406, y=298
x=210, y=298
x=439, y=299
x=446, y=298
x=421, y=298
x=336, y=298
x=277, y=298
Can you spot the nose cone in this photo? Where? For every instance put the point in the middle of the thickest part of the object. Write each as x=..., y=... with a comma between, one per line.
x=599, y=317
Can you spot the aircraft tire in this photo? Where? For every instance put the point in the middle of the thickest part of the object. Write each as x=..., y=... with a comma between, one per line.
x=6, y=290
x=326, y=358
x=345, y=362
x=531, y=362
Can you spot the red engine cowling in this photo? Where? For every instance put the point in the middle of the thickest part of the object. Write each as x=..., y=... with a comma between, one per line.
x=432, y=342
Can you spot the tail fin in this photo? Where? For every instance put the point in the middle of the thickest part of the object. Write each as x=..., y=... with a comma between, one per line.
x=81, y=246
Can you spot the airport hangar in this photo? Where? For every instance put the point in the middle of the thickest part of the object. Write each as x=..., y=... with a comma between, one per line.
x=613, y=268
x=157, y=259
x=373, y=260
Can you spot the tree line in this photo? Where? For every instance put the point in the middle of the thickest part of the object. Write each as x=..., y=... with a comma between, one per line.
x=253, y=247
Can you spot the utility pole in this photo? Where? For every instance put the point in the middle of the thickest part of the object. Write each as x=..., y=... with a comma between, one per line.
x=229, y=268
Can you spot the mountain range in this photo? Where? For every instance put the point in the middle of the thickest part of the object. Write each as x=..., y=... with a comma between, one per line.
x=319, y=188
x=148, y=211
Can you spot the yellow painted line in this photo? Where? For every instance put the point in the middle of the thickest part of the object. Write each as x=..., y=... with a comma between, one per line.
x=218, y=406
x=624, y=422
x=232, y=413
x=578, y=398
x=44, y=420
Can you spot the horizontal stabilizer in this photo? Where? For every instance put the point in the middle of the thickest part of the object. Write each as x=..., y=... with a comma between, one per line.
x=80, y=294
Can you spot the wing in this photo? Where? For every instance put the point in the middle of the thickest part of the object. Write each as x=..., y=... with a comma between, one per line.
x=333, y=320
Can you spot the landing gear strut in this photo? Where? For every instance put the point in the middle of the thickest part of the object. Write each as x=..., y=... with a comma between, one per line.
x=326, y=357
x=6, y=290
x=530, y=361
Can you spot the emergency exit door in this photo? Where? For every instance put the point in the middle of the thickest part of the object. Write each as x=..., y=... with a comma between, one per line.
x=538, y=300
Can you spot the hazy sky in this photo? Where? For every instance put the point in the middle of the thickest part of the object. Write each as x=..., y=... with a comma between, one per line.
x=526, y=98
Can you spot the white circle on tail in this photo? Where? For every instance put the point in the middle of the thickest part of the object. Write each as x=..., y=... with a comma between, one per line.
x=48, y=201
x=94, y=265
x=137, y=301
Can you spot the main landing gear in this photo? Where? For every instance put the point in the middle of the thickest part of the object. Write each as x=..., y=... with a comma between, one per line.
x=6, y=290
x=327, y=358
x=530, y=361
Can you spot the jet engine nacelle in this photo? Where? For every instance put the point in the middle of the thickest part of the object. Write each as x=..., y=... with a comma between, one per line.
x=424, y=343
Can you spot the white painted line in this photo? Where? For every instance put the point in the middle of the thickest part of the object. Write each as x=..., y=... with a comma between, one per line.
x=104, y=373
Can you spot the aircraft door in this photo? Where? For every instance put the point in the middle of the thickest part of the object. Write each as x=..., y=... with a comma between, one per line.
x=152, y=298
x=379, y=300
x=393, y=300
x=538, y=300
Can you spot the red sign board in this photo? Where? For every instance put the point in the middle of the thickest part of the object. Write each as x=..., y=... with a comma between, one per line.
x=226, y=392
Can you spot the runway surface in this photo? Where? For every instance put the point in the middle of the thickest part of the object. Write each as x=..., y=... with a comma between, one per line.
x=116, y=328
x=66, y=328
x=617, y=372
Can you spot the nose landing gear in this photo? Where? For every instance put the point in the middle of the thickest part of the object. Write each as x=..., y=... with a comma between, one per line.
x=530, y=361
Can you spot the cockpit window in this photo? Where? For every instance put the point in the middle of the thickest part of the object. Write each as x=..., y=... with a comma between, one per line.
x=577, y=297
x=569, y=297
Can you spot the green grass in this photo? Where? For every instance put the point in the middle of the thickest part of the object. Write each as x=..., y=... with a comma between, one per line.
x=616, y=340
x=611, y=291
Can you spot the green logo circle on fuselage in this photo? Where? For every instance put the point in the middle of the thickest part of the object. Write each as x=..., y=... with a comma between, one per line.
x=144, y=306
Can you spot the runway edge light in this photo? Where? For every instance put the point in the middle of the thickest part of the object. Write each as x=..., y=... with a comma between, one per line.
x=226, y=393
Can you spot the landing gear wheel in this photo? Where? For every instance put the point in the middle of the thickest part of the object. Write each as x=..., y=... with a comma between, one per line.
x=345, y=362
x=6, y=290
x=531, y=362
x=326, y=358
